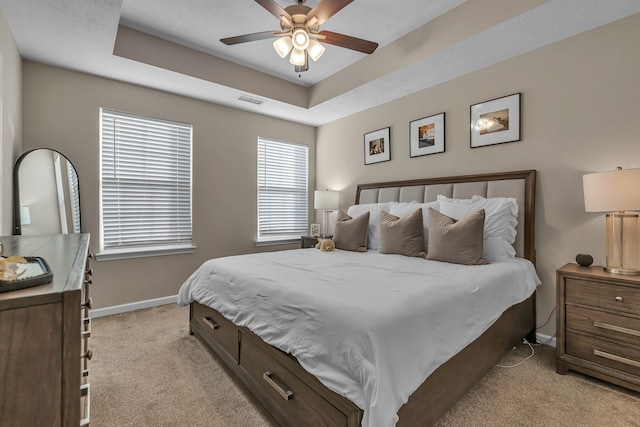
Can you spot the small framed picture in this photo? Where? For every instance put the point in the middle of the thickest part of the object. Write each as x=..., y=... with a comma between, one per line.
x=377, y=146
x=496, y=121
x=314, y=230
x=426, y=136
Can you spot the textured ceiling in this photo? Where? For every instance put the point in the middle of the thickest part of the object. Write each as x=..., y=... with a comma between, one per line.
x=173, y=45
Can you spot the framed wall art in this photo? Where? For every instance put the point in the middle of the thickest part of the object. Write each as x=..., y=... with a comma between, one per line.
x=314, y=230
x=496, y=121
x=426, y=136
x=377, y=146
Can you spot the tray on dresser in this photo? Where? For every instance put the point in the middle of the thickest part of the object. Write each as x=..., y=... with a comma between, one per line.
x=36, y=272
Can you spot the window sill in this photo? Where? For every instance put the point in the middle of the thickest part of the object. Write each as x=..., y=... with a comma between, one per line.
x=288, y=241
x=116, y=254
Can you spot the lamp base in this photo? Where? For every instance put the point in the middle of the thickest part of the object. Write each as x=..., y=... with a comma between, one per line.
x=625, y=271
x=622, y=244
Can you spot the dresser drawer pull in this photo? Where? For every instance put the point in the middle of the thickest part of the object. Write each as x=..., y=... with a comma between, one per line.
x=619, y=299
x=85, y=395
x=87, y=354
x=86, y=327
x=89, y=272
x=616, y=358
x=286, y=394
x=88, y=303
x=209, y=321
x=615, y=328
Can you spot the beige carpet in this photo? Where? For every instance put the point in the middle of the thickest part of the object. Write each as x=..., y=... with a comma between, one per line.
x=148, y=371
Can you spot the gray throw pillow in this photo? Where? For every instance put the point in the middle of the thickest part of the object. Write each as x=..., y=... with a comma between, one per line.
x=458, y=242
x=402, y=236
x=350, y=234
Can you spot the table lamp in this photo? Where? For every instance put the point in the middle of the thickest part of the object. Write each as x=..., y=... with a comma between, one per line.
x=616, y=192
x=327, y=201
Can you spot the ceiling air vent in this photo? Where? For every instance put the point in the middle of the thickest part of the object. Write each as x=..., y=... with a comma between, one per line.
x=252, y=100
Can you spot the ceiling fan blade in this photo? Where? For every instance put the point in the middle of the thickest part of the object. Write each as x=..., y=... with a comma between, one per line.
x=273, y=8
x=326, y=9
x=250, y=37
x=348, y=42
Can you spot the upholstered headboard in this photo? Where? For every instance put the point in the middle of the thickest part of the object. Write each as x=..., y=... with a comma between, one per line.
x=520, y=185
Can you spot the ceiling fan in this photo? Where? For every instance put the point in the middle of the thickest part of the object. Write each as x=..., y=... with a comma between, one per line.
x=300, y=33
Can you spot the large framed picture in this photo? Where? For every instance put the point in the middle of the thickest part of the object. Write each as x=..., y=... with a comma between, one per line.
x=496, y=121
x=377, y=146
x=426, y=136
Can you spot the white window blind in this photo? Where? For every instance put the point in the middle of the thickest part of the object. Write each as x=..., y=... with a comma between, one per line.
x=145, y=183
x=282, y=190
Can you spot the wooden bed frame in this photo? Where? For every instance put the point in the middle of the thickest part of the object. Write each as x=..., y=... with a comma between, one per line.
x=294, y=397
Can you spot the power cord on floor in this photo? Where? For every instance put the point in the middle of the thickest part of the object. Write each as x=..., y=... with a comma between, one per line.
x=524, y=341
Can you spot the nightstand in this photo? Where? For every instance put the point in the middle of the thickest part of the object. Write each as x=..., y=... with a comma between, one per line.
x=598, y=324
x=308, y=242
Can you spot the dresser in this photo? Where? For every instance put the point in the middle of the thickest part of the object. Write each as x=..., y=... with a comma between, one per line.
x=598, y=324
x=44, y=336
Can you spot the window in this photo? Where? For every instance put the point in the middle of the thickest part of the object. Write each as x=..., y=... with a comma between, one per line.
x=145, y=172
x=282, y=190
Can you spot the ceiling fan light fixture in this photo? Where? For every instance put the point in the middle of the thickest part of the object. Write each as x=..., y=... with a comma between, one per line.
x=300, y=39
x=283, y=46
x=315, y=50
x=297, y=57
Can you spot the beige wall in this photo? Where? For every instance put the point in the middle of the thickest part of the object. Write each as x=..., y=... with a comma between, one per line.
x=10, y=120
x=580, y=113
x=61, y=112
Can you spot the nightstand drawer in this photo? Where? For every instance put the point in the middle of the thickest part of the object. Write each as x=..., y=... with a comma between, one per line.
x=607, y=325
x=619, y=357
x=602, y=295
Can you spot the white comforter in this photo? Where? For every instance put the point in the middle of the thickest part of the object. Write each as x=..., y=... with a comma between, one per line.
x=369, y=326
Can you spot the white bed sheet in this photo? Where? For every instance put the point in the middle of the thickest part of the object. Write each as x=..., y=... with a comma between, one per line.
x=371, y=327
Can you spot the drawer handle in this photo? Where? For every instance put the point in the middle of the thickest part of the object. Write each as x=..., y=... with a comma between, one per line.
x=616, y=358
x=619, y=299
x=286, y=394
x=89, y=272
x=88, y=281
x=616, y=328
x=85, y=392
x=88, y=303
x=209, y=321
x=87, y=354
x=86, y=327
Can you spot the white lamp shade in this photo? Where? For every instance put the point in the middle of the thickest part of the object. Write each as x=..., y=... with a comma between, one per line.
x=315, y=50
x=328, y=200
x=297, y=57
x=283, y=46
x=613, y=191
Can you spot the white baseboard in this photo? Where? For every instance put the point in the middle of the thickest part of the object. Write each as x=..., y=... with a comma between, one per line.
x=546, y=339
x=123, y=308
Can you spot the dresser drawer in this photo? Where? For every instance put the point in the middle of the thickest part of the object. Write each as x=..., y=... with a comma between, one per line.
x=223, y=331
x=603, y=295
x=301, y=404
x=615, y=356
x=612, y=327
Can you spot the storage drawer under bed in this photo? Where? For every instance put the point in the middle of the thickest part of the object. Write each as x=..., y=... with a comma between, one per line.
x=216, y=326
x=303, y=405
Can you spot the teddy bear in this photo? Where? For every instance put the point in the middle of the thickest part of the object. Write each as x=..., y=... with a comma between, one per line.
x=325, y=245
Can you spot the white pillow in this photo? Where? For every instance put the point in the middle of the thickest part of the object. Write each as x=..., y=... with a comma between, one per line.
x=501, y=219
x=405, y=208
x=373, y=236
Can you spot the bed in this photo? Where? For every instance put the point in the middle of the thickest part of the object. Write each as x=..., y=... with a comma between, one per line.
x=301, y=390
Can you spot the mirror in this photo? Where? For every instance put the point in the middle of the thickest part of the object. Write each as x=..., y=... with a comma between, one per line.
x=46, y=197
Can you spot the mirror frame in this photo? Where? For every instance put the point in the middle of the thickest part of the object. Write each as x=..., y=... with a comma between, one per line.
x=17, y=225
